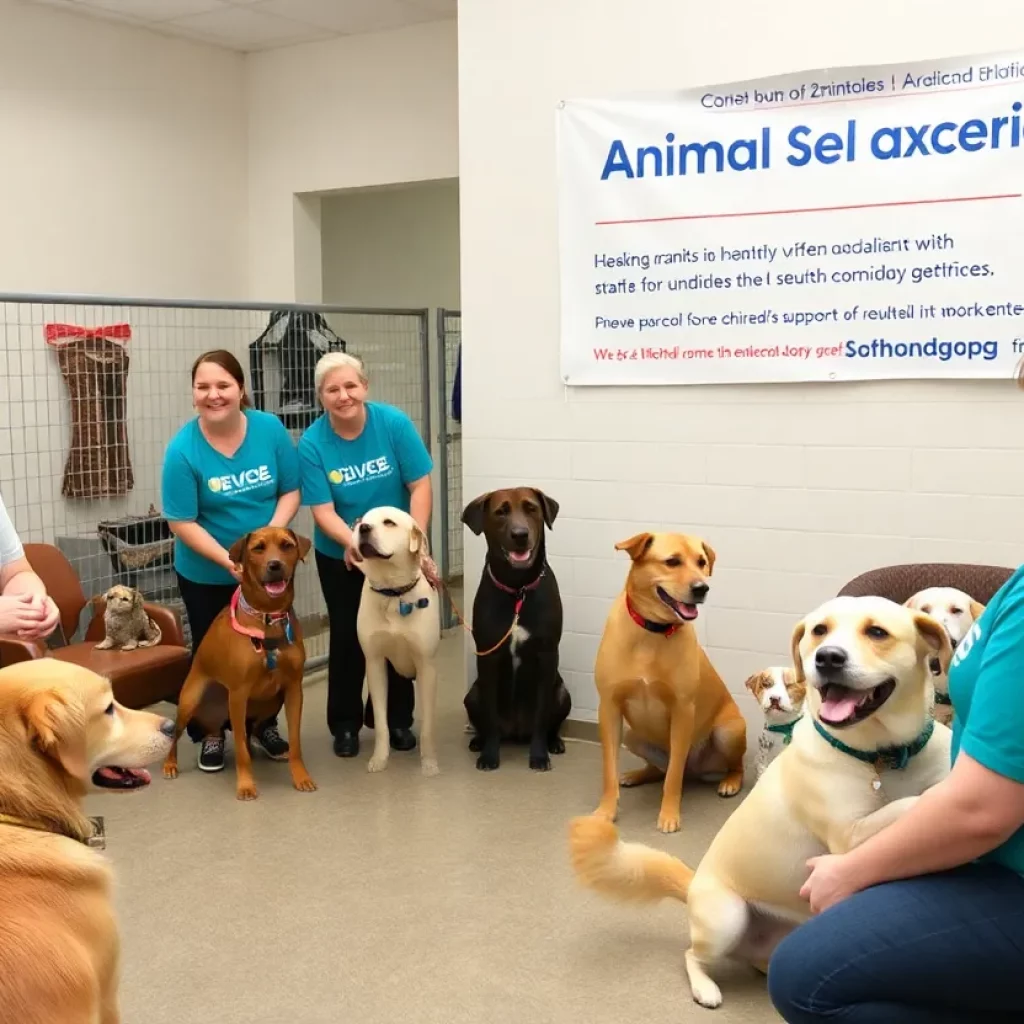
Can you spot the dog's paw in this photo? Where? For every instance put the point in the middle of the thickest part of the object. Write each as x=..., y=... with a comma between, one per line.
x=540, y=764
x=556, y=745
x=170, y=770
x=476, y=744
x=487, y=761
x=304, y=784
x=668, y=822
x=246, y=792
x=730, y=785
x=429, y=768
x=377, y=764
x=707, y=994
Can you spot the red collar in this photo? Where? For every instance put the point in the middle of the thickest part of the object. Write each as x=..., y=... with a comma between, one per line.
x=666, y=629
x=520, y=594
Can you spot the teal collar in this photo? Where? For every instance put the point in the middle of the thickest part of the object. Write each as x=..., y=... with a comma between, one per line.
x=786, y=730
x=885, y=757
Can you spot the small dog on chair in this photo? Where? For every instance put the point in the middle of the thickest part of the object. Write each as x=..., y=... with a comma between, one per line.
x=126, y=623
x=782, y=700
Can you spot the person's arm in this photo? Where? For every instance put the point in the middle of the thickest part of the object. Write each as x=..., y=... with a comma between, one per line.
x=316, y=493
x=202, y=543
x=287, y=506
x=25, y=607
x=421, y=503
x=326, y=517
x=976, y=808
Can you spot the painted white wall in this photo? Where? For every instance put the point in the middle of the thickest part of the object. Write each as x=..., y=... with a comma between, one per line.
x=793, y=492
x=352, y=112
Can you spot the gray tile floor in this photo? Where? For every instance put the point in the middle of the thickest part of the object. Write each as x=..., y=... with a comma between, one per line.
x=394, y=898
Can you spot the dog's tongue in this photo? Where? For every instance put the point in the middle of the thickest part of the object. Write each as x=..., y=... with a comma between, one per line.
x=124, y=775
x=838, y=703
x=519, y=556
x=274, y=589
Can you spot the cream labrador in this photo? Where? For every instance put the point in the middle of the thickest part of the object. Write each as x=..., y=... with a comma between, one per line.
x=399, y=621
x=956, y=611
x=865, y=748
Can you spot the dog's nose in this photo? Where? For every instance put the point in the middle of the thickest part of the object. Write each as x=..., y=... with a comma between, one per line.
x=167, y=727
x=365, y=528
x=830, y=659
x=775, y=703
x=699, y=590
x=275, y=565
x=519, y=533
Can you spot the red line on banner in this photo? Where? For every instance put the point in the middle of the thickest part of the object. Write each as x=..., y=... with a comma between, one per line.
x=807, y=209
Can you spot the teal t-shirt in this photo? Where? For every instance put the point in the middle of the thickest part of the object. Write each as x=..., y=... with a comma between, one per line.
x=373, y=469
x=986, y=687
x=228, y=497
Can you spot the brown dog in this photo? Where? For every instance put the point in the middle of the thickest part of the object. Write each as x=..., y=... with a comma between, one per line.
x=254, y=650
x=62, y=735
x=652, y=672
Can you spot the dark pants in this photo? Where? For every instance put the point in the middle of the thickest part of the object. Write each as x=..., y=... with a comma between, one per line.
x=203, y=603
x=342, y=588
x=946, y=948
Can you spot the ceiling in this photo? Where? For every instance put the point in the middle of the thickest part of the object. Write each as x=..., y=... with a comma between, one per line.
x=250, y=25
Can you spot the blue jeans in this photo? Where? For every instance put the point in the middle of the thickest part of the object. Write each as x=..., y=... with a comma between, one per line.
x=946, y=948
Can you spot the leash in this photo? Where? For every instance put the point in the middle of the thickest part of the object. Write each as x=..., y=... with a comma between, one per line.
x=896, y=758
x=257, y=637
x=520, y=596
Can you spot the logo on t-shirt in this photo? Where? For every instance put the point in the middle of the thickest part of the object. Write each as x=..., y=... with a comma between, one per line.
x=964, y=647
x=372, y=469
x=239, y=483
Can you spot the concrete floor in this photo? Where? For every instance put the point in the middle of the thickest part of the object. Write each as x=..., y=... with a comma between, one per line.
x=394, y=898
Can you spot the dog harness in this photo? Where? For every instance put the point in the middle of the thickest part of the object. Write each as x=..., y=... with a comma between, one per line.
x=404, y=607
x=96, y=841
x=895, y=758
x=258, y=638
x=665, y=628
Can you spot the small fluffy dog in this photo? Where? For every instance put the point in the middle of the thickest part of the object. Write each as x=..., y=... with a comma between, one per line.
x=62, y=735
x=126, y=623
x=781, y=697
x=399, y=621
x=956, y=612
x=864, y=750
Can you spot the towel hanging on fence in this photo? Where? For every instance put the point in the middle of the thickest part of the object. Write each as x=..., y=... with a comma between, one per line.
x=94, y=364
x=457, y=389
x=298, y=339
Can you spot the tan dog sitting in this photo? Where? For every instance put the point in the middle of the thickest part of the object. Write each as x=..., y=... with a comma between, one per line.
x=956, y=612
x=652, y=672
x=126, y=623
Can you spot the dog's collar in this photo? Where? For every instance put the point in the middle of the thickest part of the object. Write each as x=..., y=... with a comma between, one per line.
x=519, y=593
x=404, y=607
x=896, y=758
x=785, y=730
x=96, y=841
x=942, y=698
x=258, y=637
x=665, y=628
x=267, y=618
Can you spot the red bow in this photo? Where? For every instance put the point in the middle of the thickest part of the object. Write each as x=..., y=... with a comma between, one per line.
x=116, y=332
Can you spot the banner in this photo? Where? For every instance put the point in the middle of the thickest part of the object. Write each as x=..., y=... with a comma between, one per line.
x=832, y=225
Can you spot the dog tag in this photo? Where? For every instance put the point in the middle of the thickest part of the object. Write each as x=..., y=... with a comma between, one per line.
x=98, y=839
x=876, y=783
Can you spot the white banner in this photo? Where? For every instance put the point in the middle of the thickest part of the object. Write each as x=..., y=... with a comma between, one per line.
x=833, y=225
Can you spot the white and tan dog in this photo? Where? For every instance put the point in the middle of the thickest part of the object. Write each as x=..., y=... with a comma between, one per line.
x=956, y=611
x=865, y=748
x=781, y=697
x=399, y=621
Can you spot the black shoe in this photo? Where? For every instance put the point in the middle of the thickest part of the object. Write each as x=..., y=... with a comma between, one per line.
x=269, y=740
x=211, y=754
x=346, y=744
x=402, y=739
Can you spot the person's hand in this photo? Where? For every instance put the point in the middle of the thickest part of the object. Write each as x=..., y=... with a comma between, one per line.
x=48, y=623
x=353, y=560
x=829, y=882
x=235, y=570
x=429, y=569
x=24, y=615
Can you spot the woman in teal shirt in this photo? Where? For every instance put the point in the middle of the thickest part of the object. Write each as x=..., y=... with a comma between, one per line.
x=924, y=922
x=356, y=456
x=230, y=470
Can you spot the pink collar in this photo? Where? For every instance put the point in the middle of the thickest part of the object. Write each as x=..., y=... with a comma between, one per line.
x=269, y=618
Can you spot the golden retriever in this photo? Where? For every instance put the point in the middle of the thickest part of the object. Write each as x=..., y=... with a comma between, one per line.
x=865, y=748
x=62, y=735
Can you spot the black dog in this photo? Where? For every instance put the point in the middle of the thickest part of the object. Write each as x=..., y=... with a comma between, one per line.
x=519, y=695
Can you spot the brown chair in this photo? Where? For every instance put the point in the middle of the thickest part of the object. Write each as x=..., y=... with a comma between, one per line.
x=899, y=582
x=140, y=677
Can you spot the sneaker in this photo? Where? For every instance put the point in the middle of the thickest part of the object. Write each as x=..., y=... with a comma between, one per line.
x=269, y=740
x=211, y=754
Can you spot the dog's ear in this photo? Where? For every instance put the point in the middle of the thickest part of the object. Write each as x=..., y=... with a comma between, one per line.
x=473, y=514
x=709, y=554
x=549, y=507
x=637, y=546
x=56, y=727
x=417, y=540
x=137, y=599
x=935, y=636
x=754, y=682
x=977, y=609
x=794, y=643
x=303, y=544
x=237, y=551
